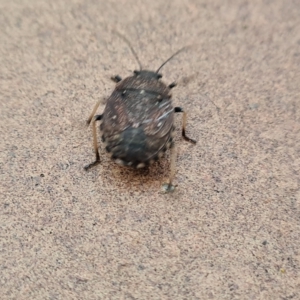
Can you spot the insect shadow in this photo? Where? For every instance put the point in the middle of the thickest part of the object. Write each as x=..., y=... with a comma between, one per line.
x=137, y=124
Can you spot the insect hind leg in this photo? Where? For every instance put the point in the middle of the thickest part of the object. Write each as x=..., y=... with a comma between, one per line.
x=96, y=149
x=93, y=112
x=172, y=85
x=169, y=187
x=184, y=117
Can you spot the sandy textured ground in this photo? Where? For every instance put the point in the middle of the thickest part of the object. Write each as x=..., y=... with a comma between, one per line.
x=231, y=230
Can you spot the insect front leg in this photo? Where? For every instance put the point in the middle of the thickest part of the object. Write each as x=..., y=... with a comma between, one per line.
x=177, y=110
x=116, y=78
x=97, y=161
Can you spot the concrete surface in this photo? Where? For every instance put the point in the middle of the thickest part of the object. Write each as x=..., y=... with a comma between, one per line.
x=230, y=230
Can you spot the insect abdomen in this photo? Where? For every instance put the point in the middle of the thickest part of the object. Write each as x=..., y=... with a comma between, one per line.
x=133, y=148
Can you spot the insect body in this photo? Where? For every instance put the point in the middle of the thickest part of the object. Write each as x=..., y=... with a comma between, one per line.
x=138, y=121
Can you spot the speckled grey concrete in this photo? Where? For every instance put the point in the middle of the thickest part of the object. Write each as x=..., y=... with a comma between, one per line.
x=230, y=230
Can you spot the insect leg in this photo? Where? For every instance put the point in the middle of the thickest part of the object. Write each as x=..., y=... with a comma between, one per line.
x=169, y=187
x=116, y=78
x=179, y=109
x=97, y=161
x=173, y=84
x=93, y=112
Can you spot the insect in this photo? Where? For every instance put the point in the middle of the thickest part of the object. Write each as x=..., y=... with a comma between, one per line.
x=137, y=124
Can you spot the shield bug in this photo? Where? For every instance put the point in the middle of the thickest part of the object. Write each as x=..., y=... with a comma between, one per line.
x=137, y=124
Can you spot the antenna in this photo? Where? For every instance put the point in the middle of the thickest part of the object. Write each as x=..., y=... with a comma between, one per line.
x=129, y=45
x=176, y=53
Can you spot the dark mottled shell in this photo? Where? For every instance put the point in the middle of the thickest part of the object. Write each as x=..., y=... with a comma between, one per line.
x=137, y=122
